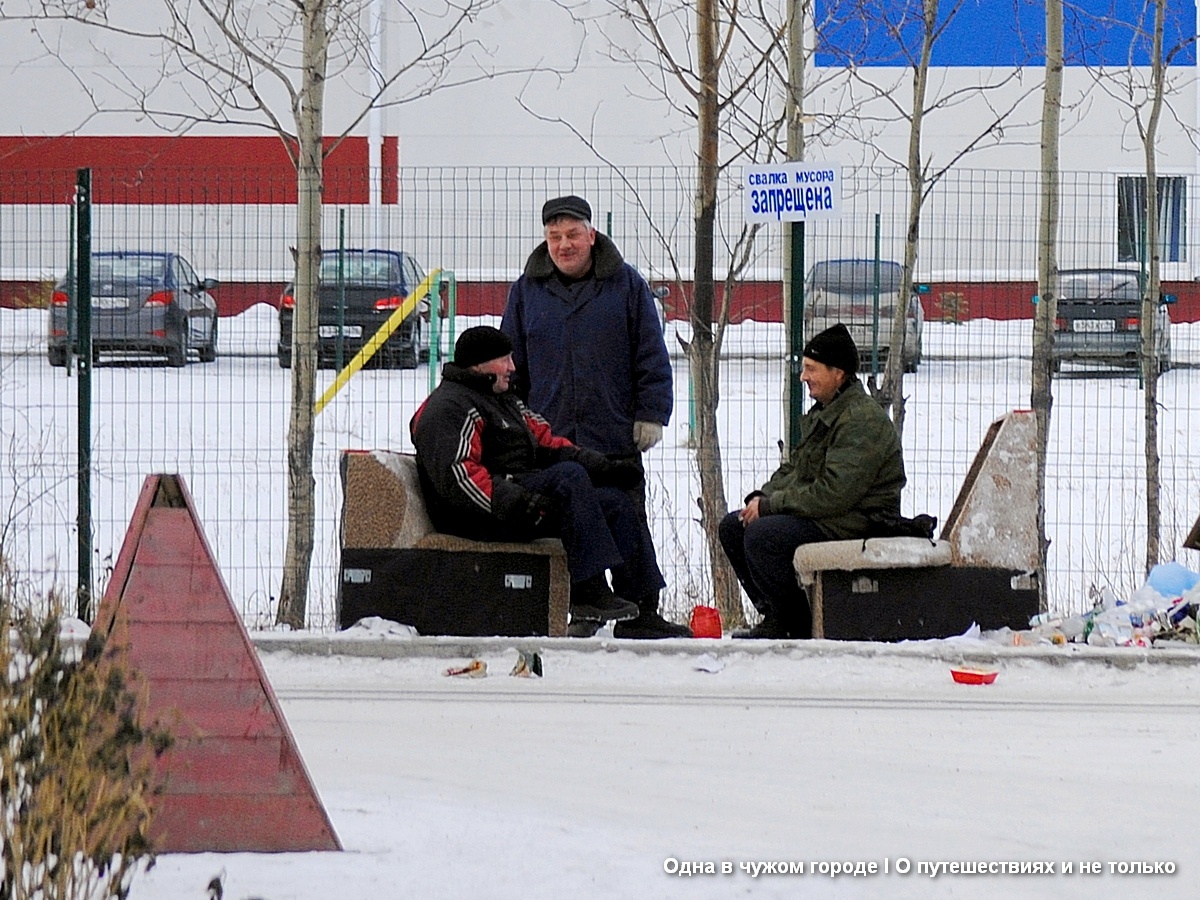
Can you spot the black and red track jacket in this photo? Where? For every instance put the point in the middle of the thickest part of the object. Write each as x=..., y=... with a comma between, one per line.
x=470, y=443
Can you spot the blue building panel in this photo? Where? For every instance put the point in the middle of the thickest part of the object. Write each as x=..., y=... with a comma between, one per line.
x=1000, y=33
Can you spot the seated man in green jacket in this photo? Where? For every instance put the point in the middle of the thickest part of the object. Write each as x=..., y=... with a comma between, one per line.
x=846, y=466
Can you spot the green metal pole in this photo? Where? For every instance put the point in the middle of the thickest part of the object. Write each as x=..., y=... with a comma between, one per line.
x=339, y=353
x=83, y=308
x=875, y=331
x=796, y=305
x=435, y=328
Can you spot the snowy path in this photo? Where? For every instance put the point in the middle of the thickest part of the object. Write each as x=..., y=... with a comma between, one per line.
x=583, y=783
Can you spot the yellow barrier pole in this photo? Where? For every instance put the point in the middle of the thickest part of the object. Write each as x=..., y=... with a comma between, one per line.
x=377, y=340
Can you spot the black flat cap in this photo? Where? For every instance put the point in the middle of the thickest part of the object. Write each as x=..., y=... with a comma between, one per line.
x=575, y=207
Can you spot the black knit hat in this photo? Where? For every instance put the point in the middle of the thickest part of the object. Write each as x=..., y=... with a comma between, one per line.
x=481, y=344
x=834, y=347
x=575, y=207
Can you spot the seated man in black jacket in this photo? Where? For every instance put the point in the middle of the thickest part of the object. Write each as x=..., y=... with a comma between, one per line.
x=492, y=470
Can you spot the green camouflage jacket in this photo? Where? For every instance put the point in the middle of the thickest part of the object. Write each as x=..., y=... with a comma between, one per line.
x=846, y=465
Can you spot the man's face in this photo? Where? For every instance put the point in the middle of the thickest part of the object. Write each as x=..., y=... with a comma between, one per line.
x=823, y=381
x=502, y=368
x=570, y=242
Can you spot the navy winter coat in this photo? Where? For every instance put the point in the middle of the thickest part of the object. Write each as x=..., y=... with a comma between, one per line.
x=594, y=364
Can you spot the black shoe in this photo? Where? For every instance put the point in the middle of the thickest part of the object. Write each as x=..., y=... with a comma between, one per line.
x=650, y=626
x=770, y=628
x=593, y=600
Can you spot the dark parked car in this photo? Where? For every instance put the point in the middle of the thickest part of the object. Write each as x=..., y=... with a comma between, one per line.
x=1099, y=319
x=142, y=302
x=375, y=283
x=843, y=290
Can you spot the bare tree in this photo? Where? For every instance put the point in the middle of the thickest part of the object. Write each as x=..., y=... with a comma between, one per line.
x=266, y=65
x=901, y=22
x=1147, y=101
x=1042, y=395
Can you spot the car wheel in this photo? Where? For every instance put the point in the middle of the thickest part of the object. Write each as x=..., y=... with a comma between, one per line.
x=208, y=353
x=177, y=352
x=57, y=356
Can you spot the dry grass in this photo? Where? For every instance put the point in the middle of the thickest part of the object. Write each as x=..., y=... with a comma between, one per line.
x=76, y=765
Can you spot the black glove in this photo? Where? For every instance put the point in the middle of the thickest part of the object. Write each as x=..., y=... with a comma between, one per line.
x=535, y=511
x=619, y=473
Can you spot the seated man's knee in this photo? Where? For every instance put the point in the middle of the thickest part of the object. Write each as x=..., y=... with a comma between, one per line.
x=730, y=530
x=762, y=539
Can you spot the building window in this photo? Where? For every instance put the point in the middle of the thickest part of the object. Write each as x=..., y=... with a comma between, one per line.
x=1172, y=218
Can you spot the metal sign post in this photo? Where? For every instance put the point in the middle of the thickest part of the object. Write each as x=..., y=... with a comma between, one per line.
x=796, y=193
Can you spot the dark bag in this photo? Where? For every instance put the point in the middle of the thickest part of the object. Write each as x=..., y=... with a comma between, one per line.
x=881, y=524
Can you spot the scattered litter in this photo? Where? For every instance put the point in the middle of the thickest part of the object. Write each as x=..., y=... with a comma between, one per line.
x=529, y=662
x=1162, y=610
x=969, y=675
x=476, y=668
x=706, y=662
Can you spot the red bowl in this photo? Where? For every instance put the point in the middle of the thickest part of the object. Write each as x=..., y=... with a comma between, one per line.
x=966, y=675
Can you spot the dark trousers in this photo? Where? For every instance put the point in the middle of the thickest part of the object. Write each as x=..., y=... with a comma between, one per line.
x=600, y=529
x=761, y=556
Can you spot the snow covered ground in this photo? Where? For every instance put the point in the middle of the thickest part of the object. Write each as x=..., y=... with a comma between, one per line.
x=627, y=755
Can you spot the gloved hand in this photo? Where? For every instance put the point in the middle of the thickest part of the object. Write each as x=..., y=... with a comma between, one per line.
x=535, y=510
x=618, y=473
x=646, y=435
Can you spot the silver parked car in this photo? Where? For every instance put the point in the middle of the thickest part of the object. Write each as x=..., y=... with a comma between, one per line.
x=1099, y=319
x=142, y=303
x=844, y=290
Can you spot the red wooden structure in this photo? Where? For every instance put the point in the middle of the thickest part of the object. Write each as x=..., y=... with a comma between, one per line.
x=234, y=779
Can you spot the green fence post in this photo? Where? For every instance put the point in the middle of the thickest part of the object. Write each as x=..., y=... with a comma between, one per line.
x=339, y=353
x=83, y=308
x=795, y=389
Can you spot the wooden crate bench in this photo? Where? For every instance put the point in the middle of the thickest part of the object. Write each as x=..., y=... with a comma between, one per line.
x=981, y=569
x=394, y=565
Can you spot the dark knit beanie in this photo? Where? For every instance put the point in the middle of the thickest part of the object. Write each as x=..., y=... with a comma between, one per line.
x=481, y=344
x=575, y=207
x=834, y=347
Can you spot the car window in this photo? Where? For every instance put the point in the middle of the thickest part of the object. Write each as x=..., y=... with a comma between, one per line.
x=1099, y=285
x=135, y=269
x=855, y=276
x=360, y=268
x=413, y=272
x=187, y=273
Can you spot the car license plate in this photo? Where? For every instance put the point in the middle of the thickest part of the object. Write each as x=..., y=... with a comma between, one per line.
x=110, y=303
x=331, y=331
x=1094, y=325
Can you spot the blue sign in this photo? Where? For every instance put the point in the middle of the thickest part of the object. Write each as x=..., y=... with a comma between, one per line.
x=1003, y=33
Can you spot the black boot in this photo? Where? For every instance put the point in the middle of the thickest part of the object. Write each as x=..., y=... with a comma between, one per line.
x=649, y=625
x=593, y=600
x=770, y=628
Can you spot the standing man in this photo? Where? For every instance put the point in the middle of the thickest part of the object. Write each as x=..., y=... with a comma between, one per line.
x=590, y=355
x=492, y=470
x=845, y=467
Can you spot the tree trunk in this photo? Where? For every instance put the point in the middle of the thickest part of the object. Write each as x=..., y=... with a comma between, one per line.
x=702, y=350
x=1150, y=300
x=293, y=597
x=892, y=390
x=1042, y=395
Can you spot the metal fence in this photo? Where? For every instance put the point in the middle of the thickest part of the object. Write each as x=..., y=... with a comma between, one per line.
x=223, y=425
